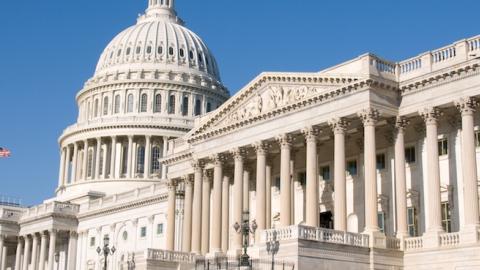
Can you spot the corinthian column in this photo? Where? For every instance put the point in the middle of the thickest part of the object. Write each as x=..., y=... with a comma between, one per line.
x=225, y=212
x=84, y=161
x=74, y=163
x=187, y=217
x=97, y=158
x=34, y=251
x=206, y=212
x=172, y=188
x=66, y=174
x=285, y=181
x=369, y=118
x=43, y=250
x=467, y=107
x=113, y=158
x=338, y=126
x=72, y=250
x=260, y=216
x=400, y=179
x=26, y=255
x=433, y=199
x=61, y=174
x=215, y=229
x=238, y=154
x=312, y=219
x=18, y=254
x=2, y=247
x=147, y=165
x=130, y=157
x=268, y=194
x=197, y=208
x=52, y=249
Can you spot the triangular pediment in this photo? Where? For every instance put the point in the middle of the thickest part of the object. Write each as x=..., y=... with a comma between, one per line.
x=266, y=94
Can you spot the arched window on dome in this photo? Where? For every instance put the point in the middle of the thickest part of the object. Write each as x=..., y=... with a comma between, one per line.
x=171, y=104
x=185, y=106
x=130, y=103
x=143, y=103
x=105, y=105
x=155, y=163
x=96, y=108
x=149, y=49
x=117, y=104
x=158, y=103
x=141, y=159
x=198, y=107
x=209, y=107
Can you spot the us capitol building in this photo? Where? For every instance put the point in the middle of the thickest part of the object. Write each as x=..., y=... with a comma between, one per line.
x=370, y=164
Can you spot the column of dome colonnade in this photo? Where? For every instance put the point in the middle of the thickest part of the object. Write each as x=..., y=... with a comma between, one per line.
x=101, y=158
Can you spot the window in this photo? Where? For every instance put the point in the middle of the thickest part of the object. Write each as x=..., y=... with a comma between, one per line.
x=410, y=156
x=381, y=162
x=141, y=159
x=155, y=157
x=477, y=138
x=117, y=104
x=105, y=105
x=182, y=53
x=96, y=108
x=143, y=103
x=209, y=107
x=185, y=106
x=200, y=59
x=443, y=147
x=158, y=103
x=412, y=221
x=92, y=241
x=130, y=103
x=149, y=49
x=171, y=104
x=352, y=167
x=100, y=168
x=190, y=54
x=325, y=172
x=143, y=232
x=381, y=221
x=119, y=52
x=90, y=163
x=160, y=228
x=446, y=217
x=124, y=158
x=170, y=50
x=160, y=50
x=139, y=49
x=198, y=107
x=302, y=178
x=129, y=50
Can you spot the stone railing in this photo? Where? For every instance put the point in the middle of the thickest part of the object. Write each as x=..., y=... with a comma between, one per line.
x=170, y=256
x=316, y=234
x=413, y=243
x=51, y=208
x=393, y=243
x=10, y=213
x=449, y=239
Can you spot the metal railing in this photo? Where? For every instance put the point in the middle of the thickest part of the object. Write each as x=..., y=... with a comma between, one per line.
x=233, y=263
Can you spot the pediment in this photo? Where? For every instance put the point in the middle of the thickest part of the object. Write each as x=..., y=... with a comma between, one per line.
x=265, y=95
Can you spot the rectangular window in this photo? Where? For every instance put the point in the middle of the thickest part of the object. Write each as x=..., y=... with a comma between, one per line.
x=381, y=165
x=381, y=221
x=477, y=138
x=443, y=147
x=143, y=232
x=276, y=183
x=410, y=156
x=160, y=228
x=352, y=167
x=412, y=221
x=325, y=172
x=92, y=241
x=446, y=217
x=302, y=178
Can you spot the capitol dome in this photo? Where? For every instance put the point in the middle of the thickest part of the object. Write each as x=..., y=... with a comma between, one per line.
x=152, y=82
x=159, y=40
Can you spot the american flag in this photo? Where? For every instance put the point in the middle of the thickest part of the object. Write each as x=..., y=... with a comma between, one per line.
x=4, y=152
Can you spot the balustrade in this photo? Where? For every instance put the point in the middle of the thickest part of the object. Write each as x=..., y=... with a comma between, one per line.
x=449, y=239
x=170, y=256
x=413, y=243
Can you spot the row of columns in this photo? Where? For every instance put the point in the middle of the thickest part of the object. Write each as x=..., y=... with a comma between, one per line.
x=197, y=197
x=71, y=172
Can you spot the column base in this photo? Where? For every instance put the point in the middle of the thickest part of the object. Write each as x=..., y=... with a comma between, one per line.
x=470, y=234
x=431, y=239
x=376, y=239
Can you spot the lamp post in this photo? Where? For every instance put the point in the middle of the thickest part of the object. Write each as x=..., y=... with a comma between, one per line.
x=131, y=263
x=106, y=250
x=245, y=229
x=273, y=245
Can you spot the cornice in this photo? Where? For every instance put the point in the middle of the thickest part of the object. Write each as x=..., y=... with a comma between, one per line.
x=35, y=219
x=440, y=77
x=175, y=158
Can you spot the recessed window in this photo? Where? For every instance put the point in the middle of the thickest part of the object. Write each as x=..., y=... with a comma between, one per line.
x=200, y=59
x=155, y=157
x=191, y=55
x=182, y=53
x=412, y=221
x=185, y=106
x=198, y=107
x=160, y=50
x=410, y=156
x=117, y=104
x=276, y=182
x=477, y=138
x=352, y=167
x=149, y=49
x=92, y=241
x=171, y=104
x=302, y=178
x=325, y=172
x=158, y=103
x=209, y=107
x=125, y=235
x=170, y=50
x=139, y=49
x=105, y=105
x=143, y=232
x=143, y=103
x=129, y=50
x=141, y=159
x=111, y=55
x=130, y=103
x=381, y=162
x=446, y=217
x=443, y=147
x=160, y=228
x=381, y=221
x=119, y=52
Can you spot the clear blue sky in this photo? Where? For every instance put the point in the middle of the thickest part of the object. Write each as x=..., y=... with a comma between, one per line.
x=49, y=48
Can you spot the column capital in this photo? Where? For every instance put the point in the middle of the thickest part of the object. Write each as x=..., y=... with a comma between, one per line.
x=369, y=116
x=466, y=105
x=238, y=153
x=3, y=237
x=73, y=234
x=113, y=137
x=260, y=147
x=148, y=137
x=430, y=115
x=285, y=140
x=338, y=125
x=99, y=139
x=197, y=165
x=217, y=159
x=53, y=231
x=208, y=174
x=172, y=184
x=188, y=180
x=401, y=123
x=310, y=133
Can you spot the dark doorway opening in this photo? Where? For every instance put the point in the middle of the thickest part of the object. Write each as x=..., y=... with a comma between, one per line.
x=326, y=220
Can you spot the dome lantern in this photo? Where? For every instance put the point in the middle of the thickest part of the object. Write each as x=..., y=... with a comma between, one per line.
x=161, y=9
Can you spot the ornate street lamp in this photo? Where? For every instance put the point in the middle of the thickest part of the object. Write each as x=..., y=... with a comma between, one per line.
x=245, y=229
x=272, y=248
x=106, y=251
x=131, y=263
